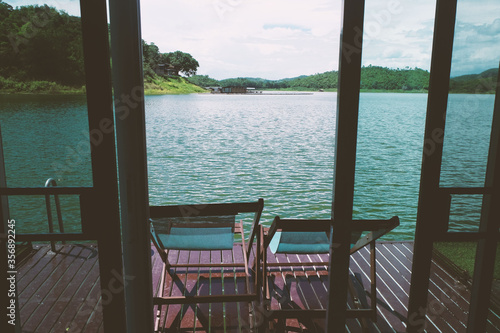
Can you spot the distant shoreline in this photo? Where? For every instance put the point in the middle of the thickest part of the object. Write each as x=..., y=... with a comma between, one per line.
x=152, y=89
x=152, y=92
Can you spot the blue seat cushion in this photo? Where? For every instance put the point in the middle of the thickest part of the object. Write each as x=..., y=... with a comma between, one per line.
x=300, y=242
x=198, y=239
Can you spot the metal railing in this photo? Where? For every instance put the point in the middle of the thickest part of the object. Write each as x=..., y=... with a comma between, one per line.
x=52, y=182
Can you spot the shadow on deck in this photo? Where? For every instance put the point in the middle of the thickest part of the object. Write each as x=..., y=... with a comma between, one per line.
x=60, y=292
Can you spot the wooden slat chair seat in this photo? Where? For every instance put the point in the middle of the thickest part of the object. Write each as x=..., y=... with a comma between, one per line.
x=208, y=227
x=300, y=236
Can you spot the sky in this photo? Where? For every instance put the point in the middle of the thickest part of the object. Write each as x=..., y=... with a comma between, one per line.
x=275, y=39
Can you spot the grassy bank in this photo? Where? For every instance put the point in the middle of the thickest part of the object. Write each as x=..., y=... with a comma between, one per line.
x=10, y=86
x=170, y=85
x=463, y=254
x=156, y=86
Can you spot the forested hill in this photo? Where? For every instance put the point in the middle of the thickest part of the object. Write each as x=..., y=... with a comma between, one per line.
x=40, y=43
x=485, y=82
x=372, y=78
x=41, y=52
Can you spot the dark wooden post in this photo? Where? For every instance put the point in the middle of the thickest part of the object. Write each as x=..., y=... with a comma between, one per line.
x=430, y=197
x=351, y=40
x=105, y=213
x=490, y=223
x=126, y=48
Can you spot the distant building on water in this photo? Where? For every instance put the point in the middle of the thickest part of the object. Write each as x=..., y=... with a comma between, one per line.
x=234, y=90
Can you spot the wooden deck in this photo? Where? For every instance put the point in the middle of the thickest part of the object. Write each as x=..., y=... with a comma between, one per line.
x=60, y=292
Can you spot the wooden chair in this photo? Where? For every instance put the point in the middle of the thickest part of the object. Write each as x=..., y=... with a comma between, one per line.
x=287, y=236
x=209, y=227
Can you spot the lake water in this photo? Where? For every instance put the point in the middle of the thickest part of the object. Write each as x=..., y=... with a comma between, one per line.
x=220, y=148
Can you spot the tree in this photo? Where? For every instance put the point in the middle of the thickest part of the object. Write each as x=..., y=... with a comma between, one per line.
x=40, y=43
x=5, y=10
x=183, y=62
x=203, y=81
x=151, y=57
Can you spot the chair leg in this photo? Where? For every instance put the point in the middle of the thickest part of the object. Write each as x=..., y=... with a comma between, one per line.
x=266, y=297
x=279, y=326
x=357, y=304
x=265, y=284
x=165, y=260
x=251, y=316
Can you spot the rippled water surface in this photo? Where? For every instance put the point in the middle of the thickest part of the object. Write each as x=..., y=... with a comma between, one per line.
x=223, y=148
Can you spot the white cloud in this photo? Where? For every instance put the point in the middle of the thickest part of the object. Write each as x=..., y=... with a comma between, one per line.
x=271, y=39
x=476, y=44
x=398, y=33
x=275, y=39
x=72, y=7
x=476, y=47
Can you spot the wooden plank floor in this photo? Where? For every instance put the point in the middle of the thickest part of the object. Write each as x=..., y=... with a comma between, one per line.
x=59, y=292
x=306, y=289
x=215, y=317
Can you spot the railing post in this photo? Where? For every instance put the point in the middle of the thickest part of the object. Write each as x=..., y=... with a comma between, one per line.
x=48, y=183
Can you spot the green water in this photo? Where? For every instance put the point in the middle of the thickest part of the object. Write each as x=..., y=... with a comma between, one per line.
x=222, y=148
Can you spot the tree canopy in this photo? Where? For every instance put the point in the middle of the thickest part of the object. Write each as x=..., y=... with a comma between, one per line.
x=151, y=57
x=372, y=77
x=203, y=81
x=485, y=82
x=182, y=62
x=40, y=43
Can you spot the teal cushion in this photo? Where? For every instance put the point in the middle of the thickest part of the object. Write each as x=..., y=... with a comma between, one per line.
x=198, y=239
x=300, y=242
x=275, y=242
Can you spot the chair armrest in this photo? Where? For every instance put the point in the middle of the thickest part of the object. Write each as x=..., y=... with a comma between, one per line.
x=255, y=225
x=378, y=229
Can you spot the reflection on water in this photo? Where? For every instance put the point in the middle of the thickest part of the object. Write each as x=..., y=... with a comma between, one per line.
x=223, y=148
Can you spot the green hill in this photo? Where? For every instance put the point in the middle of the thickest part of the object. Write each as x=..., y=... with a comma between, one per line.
x=41, y=52
x=483, y=83
x=382, y=78
x=373, y=78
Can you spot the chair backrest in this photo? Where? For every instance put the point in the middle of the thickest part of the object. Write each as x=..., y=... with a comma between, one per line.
x=198, y=227
x=311, y=236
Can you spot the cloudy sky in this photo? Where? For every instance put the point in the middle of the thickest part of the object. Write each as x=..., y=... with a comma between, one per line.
x=276, y=39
